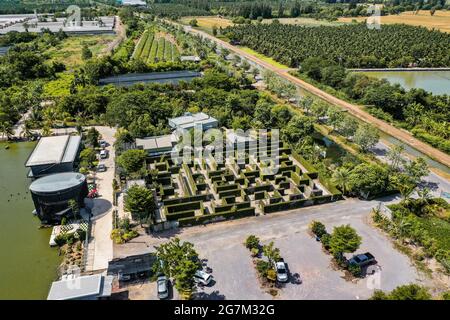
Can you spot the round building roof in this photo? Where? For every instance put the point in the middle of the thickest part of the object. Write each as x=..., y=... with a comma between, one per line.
x=57, y=182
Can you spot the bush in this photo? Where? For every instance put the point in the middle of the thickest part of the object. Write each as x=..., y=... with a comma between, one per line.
x=271, y=275
x=318, y=228
x=255, y=252
x=325, y=239
x=355, y=270
x=252, y=242
x=263, y=267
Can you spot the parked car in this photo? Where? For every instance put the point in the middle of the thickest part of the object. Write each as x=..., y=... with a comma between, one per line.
x=282, y=272
x=162, y=284
x=203, y=278
x=101, y=167
x=103, y=144
x=103, y=154
x=362, y=259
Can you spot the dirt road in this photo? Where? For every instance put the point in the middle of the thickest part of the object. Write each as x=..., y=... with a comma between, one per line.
x=355, y=110
x=121, y=35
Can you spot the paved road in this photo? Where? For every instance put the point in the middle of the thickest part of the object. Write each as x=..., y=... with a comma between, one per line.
x=100, y=250
x=357, y=111
x=221, y=244
x=433, y=181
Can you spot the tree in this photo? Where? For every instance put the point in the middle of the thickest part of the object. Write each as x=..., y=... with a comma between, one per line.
x=417, y=169
x=297, y=129
x=340, y=178
x=86, y=53
x=214, y=30
x=73, y=205
x=193, y=23
x=366, y=137
x=179, y=261
x=132, y=160
x=368, y=179
x=405, y=292
x=344, y=239
x=139, y=201
x=394, y=155
x=252, y=242
x=88, y=158
x=318, y=228
x=404, y=183
x=272, y=254
x=92, y=137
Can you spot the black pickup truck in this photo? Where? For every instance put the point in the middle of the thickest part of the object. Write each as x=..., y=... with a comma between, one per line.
x=362, y=259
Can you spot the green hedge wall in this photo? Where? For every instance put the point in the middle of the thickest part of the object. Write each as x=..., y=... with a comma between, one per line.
x=183, y=206
x=199, y=197
x=179, y=215
x=190, y=221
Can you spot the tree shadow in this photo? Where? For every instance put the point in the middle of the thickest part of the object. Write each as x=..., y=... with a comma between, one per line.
x=98, y=207
x=215, y=295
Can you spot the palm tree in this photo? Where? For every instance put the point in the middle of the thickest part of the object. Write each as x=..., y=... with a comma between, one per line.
x=26, y=129
x=340, y=178
x=6, y=129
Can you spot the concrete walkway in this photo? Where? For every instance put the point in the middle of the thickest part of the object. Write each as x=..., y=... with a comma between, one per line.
x=100, y=250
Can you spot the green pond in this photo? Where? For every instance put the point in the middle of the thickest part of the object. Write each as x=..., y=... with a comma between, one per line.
x=27, y=263
x=437, y=82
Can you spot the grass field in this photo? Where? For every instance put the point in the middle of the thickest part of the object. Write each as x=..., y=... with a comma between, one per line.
x=206, y=23
x=69, y=50
x=264, y=58
x=156, y=47
x=439, y=230
x=440, y=20
x=310, y=22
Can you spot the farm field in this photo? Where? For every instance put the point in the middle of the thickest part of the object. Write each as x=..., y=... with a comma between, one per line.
x=206, y=23
x=307, y=22
x=69, y=50
x=156, y=47
x=440, y=20
x=264, y=58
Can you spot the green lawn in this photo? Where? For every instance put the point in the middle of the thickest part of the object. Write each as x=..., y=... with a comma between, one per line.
x=264, y=58
x=438, y=229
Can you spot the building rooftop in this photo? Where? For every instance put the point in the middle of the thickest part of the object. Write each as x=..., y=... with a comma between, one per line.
x=58, y=181
x=54, y=150
x=83, y=287
x=188, y=120
x=190, y=58
x=159, y=142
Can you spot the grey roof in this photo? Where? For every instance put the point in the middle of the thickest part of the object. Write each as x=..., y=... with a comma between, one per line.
x=57, y=182
x=190, y=58
x=83, y=287
x=54, y=150
x=155, y=143
x=188, y=120
x=157, y=77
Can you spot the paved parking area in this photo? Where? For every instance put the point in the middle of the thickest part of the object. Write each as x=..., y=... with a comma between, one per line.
x=235, y=276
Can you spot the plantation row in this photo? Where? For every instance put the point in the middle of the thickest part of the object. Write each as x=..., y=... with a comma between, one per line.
x=152, y=49
x=352, y=46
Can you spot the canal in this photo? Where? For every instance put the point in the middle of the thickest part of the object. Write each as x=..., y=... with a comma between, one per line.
x=27, y=263
x=436, y=82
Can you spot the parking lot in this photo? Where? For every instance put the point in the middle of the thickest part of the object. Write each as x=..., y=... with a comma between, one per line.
x=235, y=276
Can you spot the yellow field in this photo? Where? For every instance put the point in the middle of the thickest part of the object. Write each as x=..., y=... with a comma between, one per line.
x=207, y=23
x=440, y=20
x=264, y=58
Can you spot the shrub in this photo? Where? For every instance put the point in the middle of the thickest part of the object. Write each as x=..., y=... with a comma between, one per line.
x=255, y=252
x=318, y=228
x=263, y=267
x=355, y=270
x=271, y=275
x=325, y=239
x=252, y=242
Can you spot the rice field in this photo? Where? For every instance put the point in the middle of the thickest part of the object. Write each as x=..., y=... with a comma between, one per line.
x=156, y=47
x=440, y=20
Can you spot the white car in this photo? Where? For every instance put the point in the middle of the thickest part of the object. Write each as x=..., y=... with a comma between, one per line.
x=282, y=273
x=162, y=284
x=103, y=154
x=201, y=277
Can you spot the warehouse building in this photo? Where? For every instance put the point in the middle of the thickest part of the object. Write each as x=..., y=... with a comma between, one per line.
x=190, y=120
x=53, y=155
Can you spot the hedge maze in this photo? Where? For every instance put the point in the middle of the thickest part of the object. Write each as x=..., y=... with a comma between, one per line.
x=248, y=184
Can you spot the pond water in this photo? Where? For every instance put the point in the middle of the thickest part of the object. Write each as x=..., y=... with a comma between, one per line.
x=436, y=82
x=27, y=263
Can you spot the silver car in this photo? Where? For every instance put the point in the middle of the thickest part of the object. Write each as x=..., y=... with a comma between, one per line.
x=202, y=278
x=282, y=273
x=162, y=285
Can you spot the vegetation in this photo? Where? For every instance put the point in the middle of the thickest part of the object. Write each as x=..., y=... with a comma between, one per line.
x=178, y=260
x=123, y=233
x=132, y=161
x=405, y=292
x=139, y=201
x=153, y=48
x=391, y=46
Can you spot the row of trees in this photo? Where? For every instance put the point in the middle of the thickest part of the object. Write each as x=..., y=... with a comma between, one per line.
x=347, y=45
